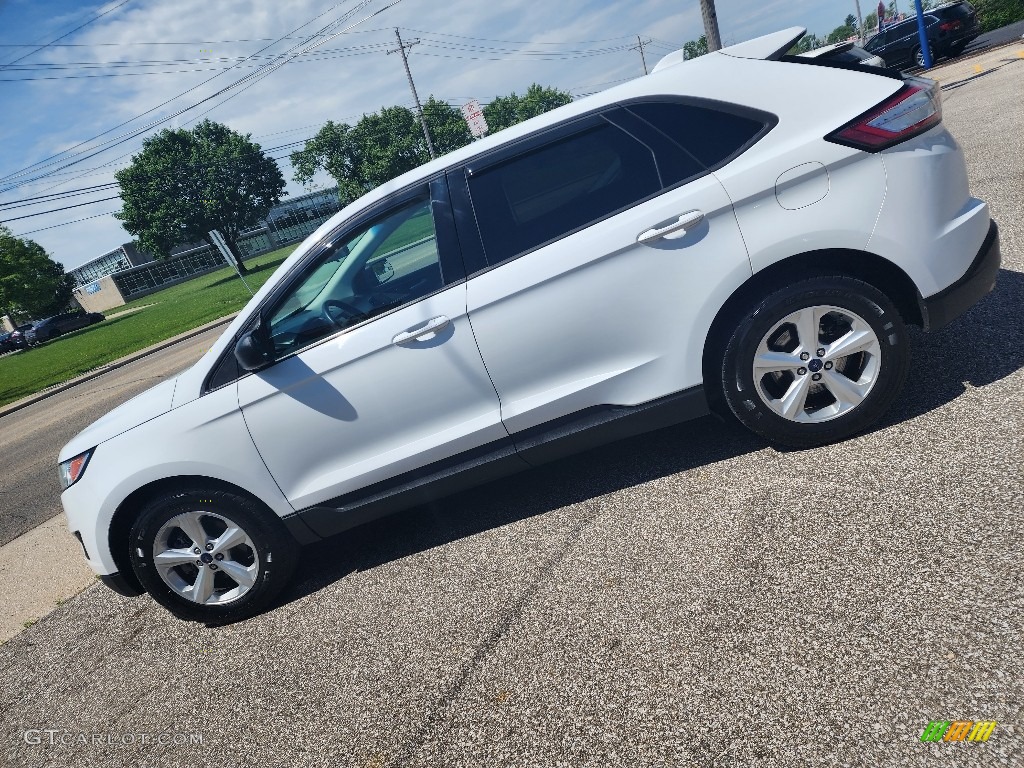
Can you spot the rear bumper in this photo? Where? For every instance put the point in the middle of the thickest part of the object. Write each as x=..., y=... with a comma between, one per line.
x=946, y=306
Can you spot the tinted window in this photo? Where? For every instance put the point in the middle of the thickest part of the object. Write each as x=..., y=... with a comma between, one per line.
x=552, y=191
x=708, y=134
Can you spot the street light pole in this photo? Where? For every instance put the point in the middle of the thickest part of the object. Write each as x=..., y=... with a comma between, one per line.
x=860, y=23
x=707, y=11
x=412, y=87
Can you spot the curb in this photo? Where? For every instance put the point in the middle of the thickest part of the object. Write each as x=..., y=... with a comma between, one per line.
x=97, y=372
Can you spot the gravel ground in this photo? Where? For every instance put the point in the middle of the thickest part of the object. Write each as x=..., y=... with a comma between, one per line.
x=690, y=598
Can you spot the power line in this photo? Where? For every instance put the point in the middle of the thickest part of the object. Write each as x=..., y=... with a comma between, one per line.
x=46, y=162
x=80, y=26
x=58, y=210
x=64, y=224
x=27, y=201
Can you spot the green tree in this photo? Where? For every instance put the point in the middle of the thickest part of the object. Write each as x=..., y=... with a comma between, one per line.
x=994, y=14
x=31, y=283
x=695, y=48
x=381, y=146
x=851, y=21
x=839, y=34
x=185, y=183
x=806, y=43
x=504, y=111
x=871, y=21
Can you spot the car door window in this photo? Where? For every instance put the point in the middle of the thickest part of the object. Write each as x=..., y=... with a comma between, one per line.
x=550, y=192
x=368, y=271
x=712, y=136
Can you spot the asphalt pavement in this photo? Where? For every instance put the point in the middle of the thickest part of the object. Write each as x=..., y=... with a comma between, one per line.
x=688, y=598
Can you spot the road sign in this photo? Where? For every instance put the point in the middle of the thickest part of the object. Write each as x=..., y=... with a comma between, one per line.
x=474, y=118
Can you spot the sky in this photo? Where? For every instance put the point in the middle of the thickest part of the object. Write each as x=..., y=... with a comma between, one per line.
x=114, y=64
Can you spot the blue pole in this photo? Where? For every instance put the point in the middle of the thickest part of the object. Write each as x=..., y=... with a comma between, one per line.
x=922, y=35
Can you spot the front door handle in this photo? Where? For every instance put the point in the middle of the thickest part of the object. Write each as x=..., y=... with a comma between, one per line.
x=685, y=222
x=434, y=325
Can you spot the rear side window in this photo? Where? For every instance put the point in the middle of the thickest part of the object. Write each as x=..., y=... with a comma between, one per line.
x=710, y=135
x=559, y=188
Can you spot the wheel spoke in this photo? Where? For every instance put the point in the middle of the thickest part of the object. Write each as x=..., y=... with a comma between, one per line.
x=807, y=324
x=172, y=557
x=192, y=525
x=848, y=393
x=240, y=574
x=857, y=340
x=769, y=361
x=231, y=537
x=203, y=587
x=792, y=403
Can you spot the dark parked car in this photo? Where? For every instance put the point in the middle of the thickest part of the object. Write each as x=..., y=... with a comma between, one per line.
x=16, y=338
x=52, y=327
x=950, y=29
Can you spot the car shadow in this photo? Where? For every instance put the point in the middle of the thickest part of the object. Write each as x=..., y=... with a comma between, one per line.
x=978, y=349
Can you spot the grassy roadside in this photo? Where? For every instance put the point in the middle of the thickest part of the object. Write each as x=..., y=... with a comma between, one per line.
x=169, y=312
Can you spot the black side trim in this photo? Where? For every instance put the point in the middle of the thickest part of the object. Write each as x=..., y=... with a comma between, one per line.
x=946, y=306
x=434, y=481
x=597, y=426
x=548, y=442
x=122, y=585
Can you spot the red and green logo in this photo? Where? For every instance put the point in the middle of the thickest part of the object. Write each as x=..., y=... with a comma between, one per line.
x=958, y=730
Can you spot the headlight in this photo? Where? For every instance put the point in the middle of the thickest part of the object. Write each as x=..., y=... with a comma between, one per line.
x=72, y=469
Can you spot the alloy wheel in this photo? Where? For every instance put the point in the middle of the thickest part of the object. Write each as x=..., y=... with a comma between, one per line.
x=205, y=558
x=816, y=364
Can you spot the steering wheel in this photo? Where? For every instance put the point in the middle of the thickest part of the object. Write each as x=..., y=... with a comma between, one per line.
x=343, y=314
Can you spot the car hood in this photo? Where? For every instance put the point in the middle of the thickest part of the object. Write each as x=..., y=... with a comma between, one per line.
x=140, y=409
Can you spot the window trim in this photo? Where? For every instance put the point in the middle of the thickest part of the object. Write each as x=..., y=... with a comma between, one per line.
x=435, y=190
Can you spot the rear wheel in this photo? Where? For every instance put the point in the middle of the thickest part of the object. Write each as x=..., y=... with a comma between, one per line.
x=815, y=362
x=919, y=55
x=210, y=555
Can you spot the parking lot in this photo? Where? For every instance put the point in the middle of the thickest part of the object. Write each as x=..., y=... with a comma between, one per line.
x=687, y=598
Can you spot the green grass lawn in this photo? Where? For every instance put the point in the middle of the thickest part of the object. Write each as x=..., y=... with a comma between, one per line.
x=174, y=310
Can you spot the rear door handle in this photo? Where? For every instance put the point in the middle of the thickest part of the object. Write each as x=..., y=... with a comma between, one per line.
x=434, y=325
x=685, y=222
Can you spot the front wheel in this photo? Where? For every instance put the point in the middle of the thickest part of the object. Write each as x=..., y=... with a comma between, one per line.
x=211, y=555
x=815, y=362
x=919, y=56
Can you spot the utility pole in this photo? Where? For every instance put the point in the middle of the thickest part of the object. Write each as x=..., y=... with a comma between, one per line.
x=402, y=47
x=707, y=11
x=860, y=23
x=640, y=47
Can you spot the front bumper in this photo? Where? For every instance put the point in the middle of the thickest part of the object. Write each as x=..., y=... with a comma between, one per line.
x=947, y=305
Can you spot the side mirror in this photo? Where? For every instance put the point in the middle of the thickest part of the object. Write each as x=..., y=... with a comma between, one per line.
x=254, y=351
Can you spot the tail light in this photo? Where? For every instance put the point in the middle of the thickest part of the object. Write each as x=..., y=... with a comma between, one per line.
x=947, y=26
x=912, y=111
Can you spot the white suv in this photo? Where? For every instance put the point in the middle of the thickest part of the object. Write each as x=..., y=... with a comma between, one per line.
x=745, y=233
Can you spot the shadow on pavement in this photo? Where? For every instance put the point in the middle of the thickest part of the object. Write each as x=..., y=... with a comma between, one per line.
x=980, y=348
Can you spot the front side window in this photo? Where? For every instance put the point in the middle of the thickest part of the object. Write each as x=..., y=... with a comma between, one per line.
x=554, y=190
x=365, y=272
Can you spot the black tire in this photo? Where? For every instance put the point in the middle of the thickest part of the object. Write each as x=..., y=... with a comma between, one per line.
x=268, y=545
x=816, y=421
x=919, y=57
